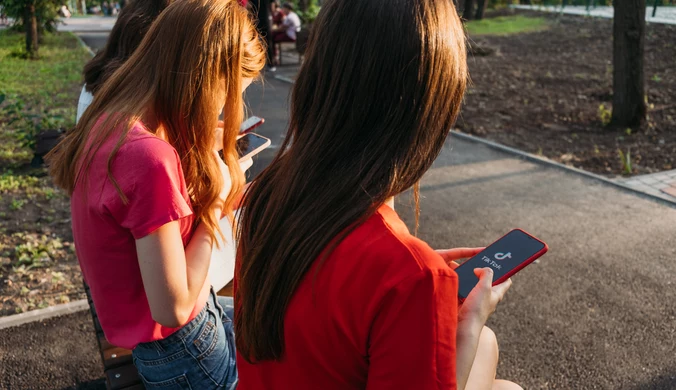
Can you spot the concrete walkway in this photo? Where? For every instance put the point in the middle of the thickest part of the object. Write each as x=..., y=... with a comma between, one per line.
x=597, y=312
x=664, y=15
x=88, y=24
x=661, y=184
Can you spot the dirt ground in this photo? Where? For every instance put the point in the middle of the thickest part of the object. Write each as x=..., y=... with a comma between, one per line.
x=38, y=266
x=549, y=93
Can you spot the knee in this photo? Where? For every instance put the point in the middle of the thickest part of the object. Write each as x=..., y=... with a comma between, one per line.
x=505, y=385
x=488, y=342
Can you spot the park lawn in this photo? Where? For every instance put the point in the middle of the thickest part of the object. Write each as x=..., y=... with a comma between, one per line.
x=38, y=267
x=44, y=90
x=506, y=25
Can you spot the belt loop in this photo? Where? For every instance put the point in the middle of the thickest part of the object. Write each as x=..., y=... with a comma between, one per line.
x=217, y=305
x=158, y=346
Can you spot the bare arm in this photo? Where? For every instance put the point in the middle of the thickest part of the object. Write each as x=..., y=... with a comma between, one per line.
x=173, y=277
x=474, y=312
x=466, y=344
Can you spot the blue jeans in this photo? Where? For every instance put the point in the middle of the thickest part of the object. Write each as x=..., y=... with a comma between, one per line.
x=201, y=355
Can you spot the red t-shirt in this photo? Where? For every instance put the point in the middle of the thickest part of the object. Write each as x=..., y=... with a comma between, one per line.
x=381, y=314
x=148, y=170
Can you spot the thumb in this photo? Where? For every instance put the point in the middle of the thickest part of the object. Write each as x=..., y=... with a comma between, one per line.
x=485, y=276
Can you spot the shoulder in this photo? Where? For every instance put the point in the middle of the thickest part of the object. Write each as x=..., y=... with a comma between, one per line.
x=144, y=146
x=385, y=246
x=145, y=157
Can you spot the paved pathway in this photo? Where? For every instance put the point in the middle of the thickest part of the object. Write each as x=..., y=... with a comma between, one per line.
x=665, y=15
x=88, y=24
x=662, y=184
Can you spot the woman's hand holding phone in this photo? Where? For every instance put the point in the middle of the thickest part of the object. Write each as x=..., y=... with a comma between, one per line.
x=218, y=145
x=472, y=316
x=451, y=256
x=247, y=163
x=483, y=299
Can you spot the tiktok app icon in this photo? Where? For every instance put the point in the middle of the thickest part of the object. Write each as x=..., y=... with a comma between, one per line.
x=502, y=256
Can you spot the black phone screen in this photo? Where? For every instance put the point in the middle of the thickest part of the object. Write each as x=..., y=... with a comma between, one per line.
x=249, y=143
x=503, y=256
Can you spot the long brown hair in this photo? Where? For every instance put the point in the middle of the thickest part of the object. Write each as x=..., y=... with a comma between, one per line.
x=173, y=77
x=381, y=86
x=131, y=26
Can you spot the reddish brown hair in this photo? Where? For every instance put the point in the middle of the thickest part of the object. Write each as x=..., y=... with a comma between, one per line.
x=173, y=77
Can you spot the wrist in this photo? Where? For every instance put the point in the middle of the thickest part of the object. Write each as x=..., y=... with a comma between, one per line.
x=470, y=327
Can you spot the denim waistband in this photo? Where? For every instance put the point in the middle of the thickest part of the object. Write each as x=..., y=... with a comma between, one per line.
x=172, y=339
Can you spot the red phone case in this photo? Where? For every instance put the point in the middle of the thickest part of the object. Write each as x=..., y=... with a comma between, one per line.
x=525, y=263
x=521, y=265
x=251, y=128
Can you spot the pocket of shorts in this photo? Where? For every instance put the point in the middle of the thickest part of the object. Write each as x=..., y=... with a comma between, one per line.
x=207, y=338
x=178, y=383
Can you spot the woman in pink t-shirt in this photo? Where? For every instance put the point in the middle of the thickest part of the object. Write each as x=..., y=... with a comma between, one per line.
x=147, y=190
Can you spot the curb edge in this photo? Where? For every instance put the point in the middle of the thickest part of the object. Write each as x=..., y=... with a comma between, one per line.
x=82, y=43
x=43, y=314
x=563, y=167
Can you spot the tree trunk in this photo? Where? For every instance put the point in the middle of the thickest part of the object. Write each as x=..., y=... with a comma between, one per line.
x=629, y=106
x=302, y=5
x=30, y=23
x=480, y=7
x=467, y=11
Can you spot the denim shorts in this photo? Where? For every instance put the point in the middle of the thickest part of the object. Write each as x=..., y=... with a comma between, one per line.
x=201, y=355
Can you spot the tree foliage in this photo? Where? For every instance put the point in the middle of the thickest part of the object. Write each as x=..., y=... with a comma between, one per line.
x=33, y=17
x=46, y=13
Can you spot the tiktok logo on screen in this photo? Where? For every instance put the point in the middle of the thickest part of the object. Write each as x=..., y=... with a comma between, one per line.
x=498, y=256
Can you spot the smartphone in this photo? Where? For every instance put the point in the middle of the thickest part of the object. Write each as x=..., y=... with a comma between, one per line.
x=250, y=145
x=250, y=123
x=506, y=256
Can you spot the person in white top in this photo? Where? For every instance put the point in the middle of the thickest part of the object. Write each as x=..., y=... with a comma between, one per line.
x=86, y=99
x=286, y=32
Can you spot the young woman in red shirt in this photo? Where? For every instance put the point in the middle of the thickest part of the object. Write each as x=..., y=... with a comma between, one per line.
x=148, y=190
x=332, y=291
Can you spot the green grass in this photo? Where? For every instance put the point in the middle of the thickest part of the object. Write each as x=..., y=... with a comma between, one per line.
x=59, y=67
x=36, y=94
x=506, y=25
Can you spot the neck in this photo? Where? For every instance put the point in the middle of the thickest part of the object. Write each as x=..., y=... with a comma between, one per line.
x=150, y=122
x=390, y=202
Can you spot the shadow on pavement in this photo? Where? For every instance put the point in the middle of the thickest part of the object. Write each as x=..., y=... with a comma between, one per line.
x=662, y=382
x=99, y=384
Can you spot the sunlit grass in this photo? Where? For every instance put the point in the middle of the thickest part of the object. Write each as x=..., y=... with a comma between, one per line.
x=506, y=25
x=36, y=92
x=53, y=74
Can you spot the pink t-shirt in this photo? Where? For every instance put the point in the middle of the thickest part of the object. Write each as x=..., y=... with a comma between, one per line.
x=148, y=170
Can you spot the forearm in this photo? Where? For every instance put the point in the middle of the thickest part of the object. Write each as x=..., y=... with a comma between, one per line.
x=467, y=342
x=198, y=259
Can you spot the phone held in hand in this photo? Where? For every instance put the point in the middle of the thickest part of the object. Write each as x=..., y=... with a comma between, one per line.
x=250, y=145
x=506, y=257
x=250, y=123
